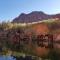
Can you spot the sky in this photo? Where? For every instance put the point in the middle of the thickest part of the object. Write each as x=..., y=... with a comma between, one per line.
x=9, y=9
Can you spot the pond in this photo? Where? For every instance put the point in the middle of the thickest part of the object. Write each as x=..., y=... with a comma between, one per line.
x=2, y=57
x=6, y=57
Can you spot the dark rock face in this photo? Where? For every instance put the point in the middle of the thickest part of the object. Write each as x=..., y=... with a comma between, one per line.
x=34, y=17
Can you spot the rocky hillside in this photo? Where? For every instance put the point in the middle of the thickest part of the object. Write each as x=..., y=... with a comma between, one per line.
x=34, y=17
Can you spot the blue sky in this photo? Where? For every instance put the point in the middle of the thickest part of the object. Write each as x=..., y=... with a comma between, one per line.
x=9, y=9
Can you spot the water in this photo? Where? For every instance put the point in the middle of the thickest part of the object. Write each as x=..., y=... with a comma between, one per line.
x=6, y=58
x=15, y=58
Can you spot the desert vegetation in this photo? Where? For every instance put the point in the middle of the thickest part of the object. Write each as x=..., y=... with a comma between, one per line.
x=30, y=39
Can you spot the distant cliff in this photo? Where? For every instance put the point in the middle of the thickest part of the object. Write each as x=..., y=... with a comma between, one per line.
x=34, y=17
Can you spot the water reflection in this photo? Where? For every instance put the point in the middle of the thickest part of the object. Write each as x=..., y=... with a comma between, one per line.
x=6, y=58
x=24, y=58
x=17, y=58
